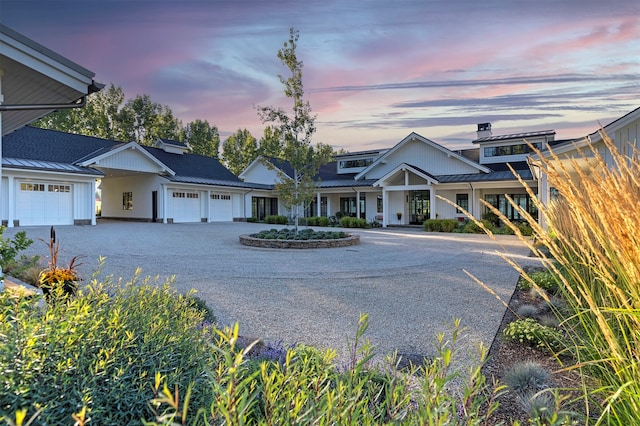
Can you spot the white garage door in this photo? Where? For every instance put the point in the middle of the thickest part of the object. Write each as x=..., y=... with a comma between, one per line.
x=221, y=207
x=186, y=206
x=44, y=203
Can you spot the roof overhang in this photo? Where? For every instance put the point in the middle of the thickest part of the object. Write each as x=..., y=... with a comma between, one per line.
x=34, y=80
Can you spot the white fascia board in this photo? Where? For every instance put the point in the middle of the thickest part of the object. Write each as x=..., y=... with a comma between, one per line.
x=31, y=173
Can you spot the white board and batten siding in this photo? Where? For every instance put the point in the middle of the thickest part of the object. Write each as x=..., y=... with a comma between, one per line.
x=129, y=159
x=428, y=158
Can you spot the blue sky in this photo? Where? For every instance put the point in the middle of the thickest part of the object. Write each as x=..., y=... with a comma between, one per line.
x=374, y=70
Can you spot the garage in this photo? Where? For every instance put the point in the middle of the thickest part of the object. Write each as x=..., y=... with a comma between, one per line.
x=186, y=206
x=221, y=207
x=44, y=203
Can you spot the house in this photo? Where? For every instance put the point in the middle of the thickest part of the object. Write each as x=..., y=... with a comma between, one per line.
x=402, y=185
x=624, y=133
x=51, y=179
x=33, y=82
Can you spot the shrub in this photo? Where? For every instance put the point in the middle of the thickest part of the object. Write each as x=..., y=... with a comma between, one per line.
x=530, y=332
x=472, y=228
x=440, y=225
x=100, y=350
x=547, y=281
x=9, y=249
x=323, y=221
x=305, y=234
x=276, y=220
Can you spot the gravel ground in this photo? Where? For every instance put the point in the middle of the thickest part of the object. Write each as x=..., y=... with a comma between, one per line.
x=411, y=283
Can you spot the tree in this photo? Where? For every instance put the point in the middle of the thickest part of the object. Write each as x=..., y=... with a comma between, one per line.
x=298, y=190
x=99, y=117
x=271, y=143
x=145, y=121
x=239, y=150
x=202, y=138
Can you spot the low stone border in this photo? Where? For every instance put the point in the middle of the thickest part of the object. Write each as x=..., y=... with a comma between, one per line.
x=250, y=240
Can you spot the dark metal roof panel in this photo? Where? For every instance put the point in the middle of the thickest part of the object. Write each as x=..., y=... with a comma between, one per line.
x=20, y=163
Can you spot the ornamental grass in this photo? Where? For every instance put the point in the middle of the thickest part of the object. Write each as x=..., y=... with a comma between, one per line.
x=592, y=245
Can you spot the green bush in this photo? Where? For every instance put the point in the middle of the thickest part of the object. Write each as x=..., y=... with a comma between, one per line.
x=546, y=280
x=101, y=350
x=529, y=332
x=9, y=249
x=323, y=221
x=305, y=234
x=472, y=228
x=440, y=225
x=276, y=220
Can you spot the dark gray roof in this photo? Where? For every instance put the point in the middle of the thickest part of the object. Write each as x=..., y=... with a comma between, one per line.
x=50, y=149
x=172, y=142
x=522, y=135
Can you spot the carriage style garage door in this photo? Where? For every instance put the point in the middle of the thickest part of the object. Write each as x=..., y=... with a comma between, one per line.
x=221, y=207
x=45, y=203
x=186, y=206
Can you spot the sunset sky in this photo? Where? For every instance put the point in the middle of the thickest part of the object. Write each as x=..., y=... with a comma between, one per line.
x=374, y=70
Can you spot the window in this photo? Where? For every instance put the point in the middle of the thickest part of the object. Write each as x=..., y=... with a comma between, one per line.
x=192, y=195
x=127, y=201
x=348, y=206
x=463, y=201
x=59, y=188
x=360, y=162
x=497, y=151
x=178, y=195
x=312, y=210
x=263, y=206
x=32, y=187
x=379, y=204
x=220, y=196
x=500, y=202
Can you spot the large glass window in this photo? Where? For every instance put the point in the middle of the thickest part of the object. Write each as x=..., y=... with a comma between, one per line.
x=463, y=201
x=127, y=201
x=263, y=206
x=500, y=202
x=312, y=210
x=497, y=151
x=348, y=206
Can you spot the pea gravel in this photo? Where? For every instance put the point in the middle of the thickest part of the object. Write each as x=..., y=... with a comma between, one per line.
x=411, y=283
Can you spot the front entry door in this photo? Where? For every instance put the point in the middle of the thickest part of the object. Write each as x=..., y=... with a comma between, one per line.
x=154, y=206
x=419, y=207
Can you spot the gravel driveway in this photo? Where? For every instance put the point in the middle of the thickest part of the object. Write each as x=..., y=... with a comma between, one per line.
x=411, y=283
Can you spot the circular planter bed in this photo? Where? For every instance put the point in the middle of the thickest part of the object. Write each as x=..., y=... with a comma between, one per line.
x=305, y=239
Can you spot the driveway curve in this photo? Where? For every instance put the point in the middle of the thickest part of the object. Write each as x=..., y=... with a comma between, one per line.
x=411, y=283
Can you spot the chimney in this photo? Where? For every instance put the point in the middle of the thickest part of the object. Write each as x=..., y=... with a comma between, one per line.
x=484, y=130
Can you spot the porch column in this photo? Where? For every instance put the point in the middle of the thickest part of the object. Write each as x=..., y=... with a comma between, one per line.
x=406, y=178
x=385, y=207
x=93, y=202
x=318, y=207
x=164, y=203
x=432, y=203
x=358, y=204
x=11, y=200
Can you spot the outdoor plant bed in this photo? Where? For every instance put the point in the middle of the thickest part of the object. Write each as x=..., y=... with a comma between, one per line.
x=305, y=239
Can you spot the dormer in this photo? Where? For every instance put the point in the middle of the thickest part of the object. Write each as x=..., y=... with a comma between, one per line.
x=355, y=162
x=511, y=148
x=171, y=146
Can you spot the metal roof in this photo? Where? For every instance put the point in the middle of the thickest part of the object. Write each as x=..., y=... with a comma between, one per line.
x=20, y=163
x=523, y=135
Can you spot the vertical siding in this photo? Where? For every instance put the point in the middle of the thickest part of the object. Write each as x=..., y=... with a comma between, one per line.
x=428, y=158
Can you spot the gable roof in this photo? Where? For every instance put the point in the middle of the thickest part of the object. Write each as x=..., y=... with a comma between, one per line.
x=36, y=148
x=414, y=136
x=405, y=166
